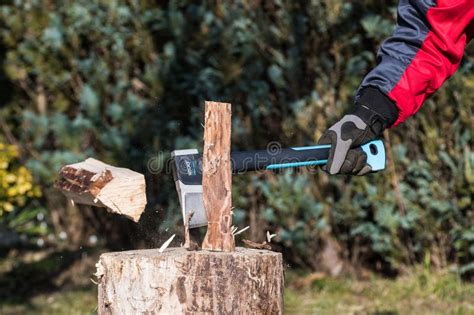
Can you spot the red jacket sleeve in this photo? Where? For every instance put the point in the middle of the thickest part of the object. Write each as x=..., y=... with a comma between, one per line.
x=424, y=51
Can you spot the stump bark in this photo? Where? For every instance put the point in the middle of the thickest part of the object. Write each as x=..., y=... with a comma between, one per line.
x=178, y=281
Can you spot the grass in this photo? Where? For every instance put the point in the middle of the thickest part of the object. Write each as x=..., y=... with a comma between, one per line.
x=70, y=302
x=418, y=292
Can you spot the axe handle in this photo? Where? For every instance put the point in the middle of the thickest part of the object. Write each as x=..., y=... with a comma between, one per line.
x=187, y=164
x=278, y=158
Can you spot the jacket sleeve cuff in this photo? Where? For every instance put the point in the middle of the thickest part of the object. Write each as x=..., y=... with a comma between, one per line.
x=378, y=102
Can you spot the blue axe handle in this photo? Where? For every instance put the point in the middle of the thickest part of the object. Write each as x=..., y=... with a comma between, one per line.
x=278, y=158
x=187, y=164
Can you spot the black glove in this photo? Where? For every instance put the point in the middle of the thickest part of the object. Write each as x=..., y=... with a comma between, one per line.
x=374, y=112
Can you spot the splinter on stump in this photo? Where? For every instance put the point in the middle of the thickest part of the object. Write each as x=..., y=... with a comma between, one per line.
x=177, y=281
x=217, y=177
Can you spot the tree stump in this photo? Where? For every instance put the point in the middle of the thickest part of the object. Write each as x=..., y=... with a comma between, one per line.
x=177, y=281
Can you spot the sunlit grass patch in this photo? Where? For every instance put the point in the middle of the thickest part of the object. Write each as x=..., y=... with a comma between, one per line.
x=73, y=302
x=419, y=292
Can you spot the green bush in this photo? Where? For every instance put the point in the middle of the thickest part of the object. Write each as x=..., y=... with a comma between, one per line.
x=19, y=208
x=124, y=81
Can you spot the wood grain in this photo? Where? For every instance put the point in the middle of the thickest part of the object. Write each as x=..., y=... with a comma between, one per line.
x=95, y=183
x=217, y=177
x=177, y=281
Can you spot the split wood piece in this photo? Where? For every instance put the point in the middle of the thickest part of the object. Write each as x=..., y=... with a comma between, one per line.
x=95, y=183
x=178, y=281
x=263, y=245
x=217, y=177
x=189, y=244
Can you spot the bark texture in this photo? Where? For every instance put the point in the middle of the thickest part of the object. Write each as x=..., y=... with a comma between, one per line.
x=95, y=183
x=178, y=281
x=217, y=177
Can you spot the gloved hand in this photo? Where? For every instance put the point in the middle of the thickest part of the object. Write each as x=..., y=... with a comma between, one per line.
x=364, y=124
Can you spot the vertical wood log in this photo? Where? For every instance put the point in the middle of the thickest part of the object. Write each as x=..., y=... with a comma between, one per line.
x=217, y=177
x=177, y=281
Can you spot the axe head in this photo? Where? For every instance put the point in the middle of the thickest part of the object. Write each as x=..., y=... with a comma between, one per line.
x=187, y=174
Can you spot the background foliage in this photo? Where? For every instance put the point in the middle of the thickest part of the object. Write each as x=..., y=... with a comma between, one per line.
x=125, y=81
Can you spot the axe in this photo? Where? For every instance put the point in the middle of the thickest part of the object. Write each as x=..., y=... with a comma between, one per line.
x=187, y=169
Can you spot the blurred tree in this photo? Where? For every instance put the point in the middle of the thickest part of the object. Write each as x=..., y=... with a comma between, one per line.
x=124, y=81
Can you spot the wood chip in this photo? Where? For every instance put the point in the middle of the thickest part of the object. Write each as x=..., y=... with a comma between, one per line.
x=187, y=238
x=241, y=231
x=166, y=244
x=189, y=244
x=270, y=236
x=254, y=245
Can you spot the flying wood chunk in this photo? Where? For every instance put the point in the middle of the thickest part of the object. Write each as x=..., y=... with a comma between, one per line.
x=95, y=183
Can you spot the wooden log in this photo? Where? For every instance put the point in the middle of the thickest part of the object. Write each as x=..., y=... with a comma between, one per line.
x=217, y=177
x=95, y=183
x=178, y=281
